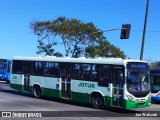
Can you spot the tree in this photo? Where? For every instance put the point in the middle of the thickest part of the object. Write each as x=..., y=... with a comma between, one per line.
x=154, y=64
x=47, y=49
x=73, y=34
x=105, y=49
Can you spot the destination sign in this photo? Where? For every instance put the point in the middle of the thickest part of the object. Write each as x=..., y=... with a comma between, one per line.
x=137, y=65
x=3, y=60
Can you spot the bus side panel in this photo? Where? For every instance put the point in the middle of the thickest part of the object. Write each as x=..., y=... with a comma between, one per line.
x=82, y=90
x=16, y=82
x=84, y=97
x=49, y=85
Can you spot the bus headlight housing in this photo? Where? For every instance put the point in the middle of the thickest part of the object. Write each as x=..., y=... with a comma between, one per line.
x=130, y=97
x=149, y=97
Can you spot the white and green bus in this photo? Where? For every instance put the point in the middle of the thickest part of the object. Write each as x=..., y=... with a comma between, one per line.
x=99, y=81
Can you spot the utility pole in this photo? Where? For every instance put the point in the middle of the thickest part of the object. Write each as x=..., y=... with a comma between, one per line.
x=144, y=31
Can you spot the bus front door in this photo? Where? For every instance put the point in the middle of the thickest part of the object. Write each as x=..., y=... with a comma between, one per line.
x=66, y=81
x=117, y=90
x=26, y=77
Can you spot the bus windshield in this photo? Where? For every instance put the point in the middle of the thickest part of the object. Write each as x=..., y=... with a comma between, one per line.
x=155, y=80
x=138, y=77
x=155, y=77
x=3, y=65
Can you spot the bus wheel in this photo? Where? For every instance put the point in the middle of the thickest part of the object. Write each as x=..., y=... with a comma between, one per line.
x=37, y=92
x=8, y=81
x=97, y=101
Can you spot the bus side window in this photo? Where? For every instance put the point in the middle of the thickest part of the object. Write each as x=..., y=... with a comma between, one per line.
x=82, y=71
x=52, y=69
x=38, y=68
x=86, y=71
x=117, y=77
x=151, y=78
x=103, y=72
x=56, y=69
x=121, y=77
x=94, y=74
x=77, y=71
x=17, y=67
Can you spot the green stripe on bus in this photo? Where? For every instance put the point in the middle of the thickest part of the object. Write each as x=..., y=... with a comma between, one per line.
x=17, y=87
x=129, y=104
x=108, y=101
x=75, y=96
x=82, y=97
x=51, y=92
x=45, y=91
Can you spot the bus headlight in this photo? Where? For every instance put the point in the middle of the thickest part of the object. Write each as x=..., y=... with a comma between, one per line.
x=149, y=97
x=130, y=97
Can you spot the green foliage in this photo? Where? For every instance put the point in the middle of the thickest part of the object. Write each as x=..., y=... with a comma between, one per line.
x=47, y=49
x=104, y=49
x=74, y=35
x=154, y=64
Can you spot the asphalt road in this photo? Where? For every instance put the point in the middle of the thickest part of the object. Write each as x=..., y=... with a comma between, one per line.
x=24, y=104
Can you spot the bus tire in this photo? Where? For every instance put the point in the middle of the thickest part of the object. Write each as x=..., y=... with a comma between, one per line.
x=97, y=101
x=8, y=81
x=37, y=92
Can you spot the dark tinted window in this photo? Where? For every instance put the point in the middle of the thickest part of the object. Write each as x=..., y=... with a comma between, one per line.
x=86, y=71
x=38, y=68
x=77, y=71
x=17, y=67
x=51, y=69
x=104, y=72
x=92, y=72
x=95, y=72
x=82, y=71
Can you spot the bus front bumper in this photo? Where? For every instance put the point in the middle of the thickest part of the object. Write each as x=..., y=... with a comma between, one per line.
x=131, y=105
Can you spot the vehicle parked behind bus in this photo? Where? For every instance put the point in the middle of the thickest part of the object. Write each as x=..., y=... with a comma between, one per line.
x=5, y=70
x=100, y=81
x=155, y=84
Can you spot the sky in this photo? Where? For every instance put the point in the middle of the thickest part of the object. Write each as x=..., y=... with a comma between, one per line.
x=17, y=39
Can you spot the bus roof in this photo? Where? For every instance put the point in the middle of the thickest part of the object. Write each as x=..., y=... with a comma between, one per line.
x=155, y=70
x=118, y=61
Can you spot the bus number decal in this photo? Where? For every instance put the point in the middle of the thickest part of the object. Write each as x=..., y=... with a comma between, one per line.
x=89, y=85
x=57, y=86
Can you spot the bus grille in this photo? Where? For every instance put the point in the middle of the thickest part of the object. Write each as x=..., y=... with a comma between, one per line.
x=138, y=100
x=140, y=104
